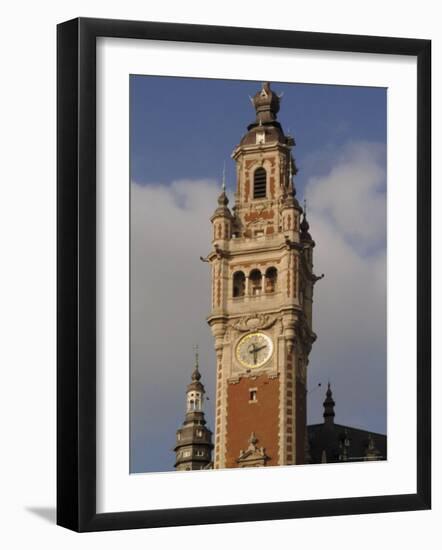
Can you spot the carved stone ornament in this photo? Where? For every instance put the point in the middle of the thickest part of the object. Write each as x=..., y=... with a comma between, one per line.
x=259, y=321
x=253, y=455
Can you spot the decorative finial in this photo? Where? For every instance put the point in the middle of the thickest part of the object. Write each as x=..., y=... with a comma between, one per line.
x=197, y=355
x=196, y=375
x=265, y=88
x=266, y=103
x=329, y=406
x=305, y=226
x=223, y=200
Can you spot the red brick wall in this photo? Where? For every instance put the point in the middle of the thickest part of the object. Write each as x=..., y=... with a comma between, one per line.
x=261, y=417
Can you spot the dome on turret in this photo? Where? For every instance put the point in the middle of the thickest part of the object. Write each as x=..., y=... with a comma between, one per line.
x=266, y=103
x=196, y=375
x=195, y=384
x=266, y=128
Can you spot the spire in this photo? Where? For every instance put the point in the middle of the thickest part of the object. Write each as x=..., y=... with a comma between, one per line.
x=305, y=226
x=223, y=200
x=266, y=104
x=291, y=174
x=196, y=375
x=329, y=407
x=193, y=446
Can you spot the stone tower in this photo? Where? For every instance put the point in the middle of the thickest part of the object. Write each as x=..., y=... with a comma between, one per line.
x=262, y=290
x=194, y=446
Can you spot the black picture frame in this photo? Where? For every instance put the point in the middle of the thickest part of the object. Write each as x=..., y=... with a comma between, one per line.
x=76, y=273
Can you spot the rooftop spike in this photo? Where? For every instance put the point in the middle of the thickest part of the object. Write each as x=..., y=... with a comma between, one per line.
x=305, y=226
x=266, y=103
x=196, y=375
x=329, y=406
x=196, y=351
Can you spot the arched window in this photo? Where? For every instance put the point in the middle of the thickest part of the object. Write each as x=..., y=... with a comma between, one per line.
x=271, y=279
x=255, y=279
x=239, y=284
x=260, y=184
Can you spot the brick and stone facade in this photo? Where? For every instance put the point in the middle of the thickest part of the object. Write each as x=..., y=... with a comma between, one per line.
x=262, y=286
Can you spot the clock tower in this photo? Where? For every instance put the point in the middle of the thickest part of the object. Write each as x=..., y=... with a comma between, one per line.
x=262, y=293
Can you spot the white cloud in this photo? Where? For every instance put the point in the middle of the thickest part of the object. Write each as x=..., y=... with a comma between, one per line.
x=351, y=196
x=170, y=300
x=347, y=218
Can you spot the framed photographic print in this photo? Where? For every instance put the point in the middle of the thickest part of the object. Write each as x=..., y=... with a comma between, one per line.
x=243, y=274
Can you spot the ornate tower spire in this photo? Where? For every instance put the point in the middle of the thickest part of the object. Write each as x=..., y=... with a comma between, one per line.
x=329, y=407
x=194, y=440
x=266, y=104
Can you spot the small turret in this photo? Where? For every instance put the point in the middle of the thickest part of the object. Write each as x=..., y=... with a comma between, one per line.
x=194, y=440
x=222, y=217
x=305, y=227
x=329, y=407
x=290, y=209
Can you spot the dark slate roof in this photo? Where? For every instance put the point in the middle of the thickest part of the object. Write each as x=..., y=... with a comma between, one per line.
x=342, y=443
x=273, y=133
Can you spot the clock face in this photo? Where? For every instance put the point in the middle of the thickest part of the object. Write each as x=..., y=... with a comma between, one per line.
x=254, y=350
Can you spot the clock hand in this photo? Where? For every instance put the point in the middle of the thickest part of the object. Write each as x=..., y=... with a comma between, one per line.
x=253, y=350
x=262, y=347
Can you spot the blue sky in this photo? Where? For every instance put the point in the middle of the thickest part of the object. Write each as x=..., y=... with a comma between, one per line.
x=182, y=132
x=191, y=126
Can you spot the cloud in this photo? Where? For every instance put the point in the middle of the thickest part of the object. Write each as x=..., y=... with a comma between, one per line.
x=351, y=195
x=347, y=215
x=170, y=298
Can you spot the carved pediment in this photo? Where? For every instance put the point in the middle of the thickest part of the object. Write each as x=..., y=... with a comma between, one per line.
x=259, y=321
x=253, y=455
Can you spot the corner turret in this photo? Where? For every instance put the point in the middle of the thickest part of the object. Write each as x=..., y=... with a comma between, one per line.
x=194, y=439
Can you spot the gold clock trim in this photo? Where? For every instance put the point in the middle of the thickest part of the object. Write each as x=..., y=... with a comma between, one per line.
x=247, y=337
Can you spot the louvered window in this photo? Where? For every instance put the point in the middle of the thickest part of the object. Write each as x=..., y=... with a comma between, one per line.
x=259, y=184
